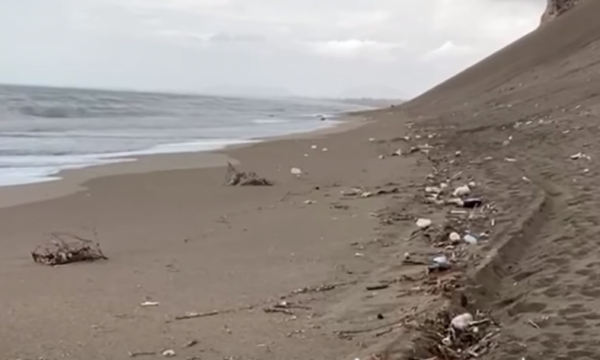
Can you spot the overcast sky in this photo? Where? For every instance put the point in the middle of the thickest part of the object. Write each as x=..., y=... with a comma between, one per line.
x=306, y=47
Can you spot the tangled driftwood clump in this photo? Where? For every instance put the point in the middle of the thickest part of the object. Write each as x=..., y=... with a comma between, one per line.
x=441, y=338
x=66, y=248
x=241, y=178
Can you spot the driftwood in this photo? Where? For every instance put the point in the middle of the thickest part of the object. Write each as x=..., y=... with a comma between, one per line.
x=66, y=248
x=241, y=178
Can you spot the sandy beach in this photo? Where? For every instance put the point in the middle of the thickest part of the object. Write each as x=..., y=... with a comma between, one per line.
x=178, y=236
x=343, y=261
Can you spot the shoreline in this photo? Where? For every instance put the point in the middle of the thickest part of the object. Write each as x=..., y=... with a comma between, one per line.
x=181, y=238
x=74, y=180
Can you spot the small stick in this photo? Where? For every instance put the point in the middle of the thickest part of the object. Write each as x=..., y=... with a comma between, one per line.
x=278, y=310
x=532, y=323
x=141, y=353
x=456, y=175
x=413, y=262
x=377, y=287
x=194, y=315
x=285, y=196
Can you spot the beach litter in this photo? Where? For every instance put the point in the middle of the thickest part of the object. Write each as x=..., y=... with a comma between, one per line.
x=470, y=239
x=580, y=156
x=454, y=237
x=440, y=263
x=462, y=191
x=241, y=178
x=190, y=344
x=459, y=337
x=141, y=353
x=66, y=248
x=296, y=171
x=424, y=223
x=472, y=203
x=169, y=353
x=461, y=322
x=149, y=303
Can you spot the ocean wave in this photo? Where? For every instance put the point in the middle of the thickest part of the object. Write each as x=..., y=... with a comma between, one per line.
x=65, y=160
x=85, y=110
x=52, y=112
x=270, y=121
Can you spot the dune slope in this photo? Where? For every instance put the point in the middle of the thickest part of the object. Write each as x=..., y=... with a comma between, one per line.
x=525, y=121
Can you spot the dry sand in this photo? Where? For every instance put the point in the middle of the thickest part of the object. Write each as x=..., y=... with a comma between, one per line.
x=181, y=238
x=175, y=235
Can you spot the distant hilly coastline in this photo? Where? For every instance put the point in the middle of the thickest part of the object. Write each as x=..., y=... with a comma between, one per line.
x=371, y=102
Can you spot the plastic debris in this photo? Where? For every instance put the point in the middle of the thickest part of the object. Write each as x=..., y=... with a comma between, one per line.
x=296, y=171
x=433, y=190
x=462, y=191
x=470, y=239
x=447, y=341
x=454, y=237
x=169, y=353
x=149, y=303
x=462, y=322
x=472, y=203
x=423, y=223
x=441, y=260
x=580, y=156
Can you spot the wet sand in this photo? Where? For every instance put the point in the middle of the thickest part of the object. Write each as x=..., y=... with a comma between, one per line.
x=181, y=238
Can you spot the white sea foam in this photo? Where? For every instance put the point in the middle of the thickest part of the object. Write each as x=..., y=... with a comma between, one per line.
x=44, y=131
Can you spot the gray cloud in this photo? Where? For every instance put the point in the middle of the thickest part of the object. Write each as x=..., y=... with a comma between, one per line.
x=311, y=47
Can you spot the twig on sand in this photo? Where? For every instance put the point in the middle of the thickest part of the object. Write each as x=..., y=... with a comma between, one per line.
x=285, y=196
x=377, y=287
x=241, y=178
x=66, y=248
x=141, y=353
x=533, y=323
x=195, y=315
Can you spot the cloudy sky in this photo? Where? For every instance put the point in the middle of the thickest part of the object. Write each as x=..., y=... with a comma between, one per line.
x=305, y=47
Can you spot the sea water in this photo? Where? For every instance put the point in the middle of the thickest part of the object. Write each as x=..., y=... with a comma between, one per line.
x=46, y=130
